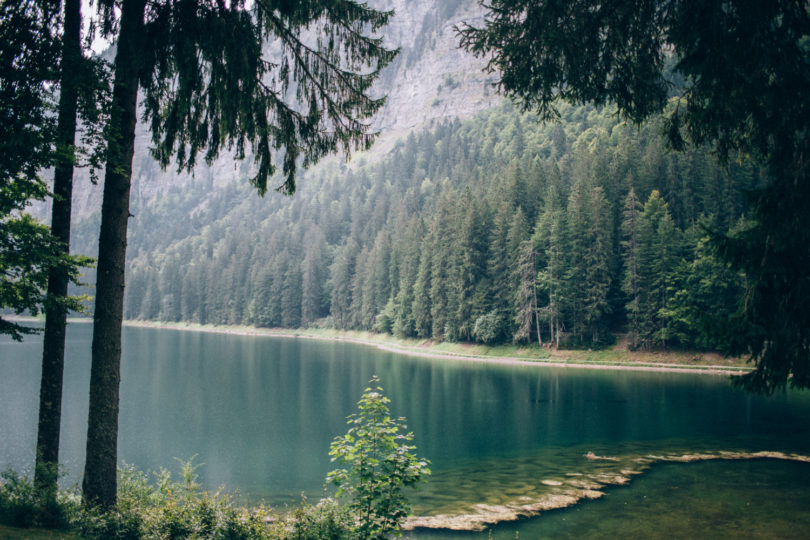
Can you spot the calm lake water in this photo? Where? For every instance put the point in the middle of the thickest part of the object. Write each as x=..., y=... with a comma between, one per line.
x=260, y=413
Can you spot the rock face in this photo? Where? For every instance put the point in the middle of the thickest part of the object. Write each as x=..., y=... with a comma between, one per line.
x=430, y=80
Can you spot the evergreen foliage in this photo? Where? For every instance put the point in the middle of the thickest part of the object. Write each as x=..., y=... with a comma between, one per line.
x=441, y=250
x=728, y=74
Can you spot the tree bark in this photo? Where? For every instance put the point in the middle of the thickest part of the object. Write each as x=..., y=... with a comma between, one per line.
x=99, y=484
x=53, y=355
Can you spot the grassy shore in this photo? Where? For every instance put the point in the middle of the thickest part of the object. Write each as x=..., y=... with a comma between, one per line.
x=616, y=357
x=14, y=533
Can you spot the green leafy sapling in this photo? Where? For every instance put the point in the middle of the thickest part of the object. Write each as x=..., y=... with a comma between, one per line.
x=378, y=465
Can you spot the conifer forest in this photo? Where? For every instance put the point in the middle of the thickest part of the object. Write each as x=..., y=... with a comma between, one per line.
x=312, y=254
x=496, y=229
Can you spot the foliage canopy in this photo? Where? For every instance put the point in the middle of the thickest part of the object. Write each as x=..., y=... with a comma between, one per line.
x=730, y=74
x=29, y=52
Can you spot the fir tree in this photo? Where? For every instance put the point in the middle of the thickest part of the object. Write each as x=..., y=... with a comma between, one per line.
x=598, y=276
x=549, y=237
x=631, y=285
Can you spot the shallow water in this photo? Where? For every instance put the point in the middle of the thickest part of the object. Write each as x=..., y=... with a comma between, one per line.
x=715, y=499
x=260, y=413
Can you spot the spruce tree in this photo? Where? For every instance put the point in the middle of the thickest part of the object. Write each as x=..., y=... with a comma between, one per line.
x=404, y=323
x=422, y=301
x=40, y=134
x=341, y=276
x=657, y=256
x=598, y=256
x=525, y=294
x=442, y=300
x=575, y=274
x=549, y=239
x=471, y=264
x=313, y=278
x=519, y=317
x=631, y=285
x=207, y=86
x=498, y=263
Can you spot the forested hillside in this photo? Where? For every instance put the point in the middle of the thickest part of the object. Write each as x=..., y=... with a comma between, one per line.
x=492, y=229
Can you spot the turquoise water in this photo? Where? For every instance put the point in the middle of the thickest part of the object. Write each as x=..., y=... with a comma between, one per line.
x=260, y=413
x=719, y=499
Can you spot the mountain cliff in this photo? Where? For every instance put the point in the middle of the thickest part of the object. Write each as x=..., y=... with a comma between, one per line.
x=430, y=80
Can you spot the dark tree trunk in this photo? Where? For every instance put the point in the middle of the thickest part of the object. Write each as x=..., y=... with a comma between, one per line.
x=53, y=355
x=99, y=484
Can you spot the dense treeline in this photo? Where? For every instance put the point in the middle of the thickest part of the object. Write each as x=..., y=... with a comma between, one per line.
x=496, y=229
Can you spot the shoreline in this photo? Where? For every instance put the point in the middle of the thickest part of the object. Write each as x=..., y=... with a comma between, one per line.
x=561, y=359
x=612, y=359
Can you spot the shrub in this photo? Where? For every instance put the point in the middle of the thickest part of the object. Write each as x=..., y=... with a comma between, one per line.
x=384, y=322
x=379, y=465
x=488, y=328
x=21, y=505
x=166, y=509
x=18, y=500
x=326, y=520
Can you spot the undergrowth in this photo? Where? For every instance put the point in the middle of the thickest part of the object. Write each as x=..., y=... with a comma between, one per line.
x=156, y=507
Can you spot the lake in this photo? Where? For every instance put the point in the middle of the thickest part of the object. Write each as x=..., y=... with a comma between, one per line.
x=259, y=413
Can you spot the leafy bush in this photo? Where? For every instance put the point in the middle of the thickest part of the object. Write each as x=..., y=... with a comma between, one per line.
x=384, y=322
x=379, y=465
x=22, y=506
x=326, y=520
x=166, y=509
x=18, y=500
x=488, y=328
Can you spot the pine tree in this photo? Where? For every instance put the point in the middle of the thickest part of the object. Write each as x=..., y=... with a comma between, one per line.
x=518, y=289
x=575, y=287
x=313, y=278
x=631, y=285
x=468, y=265
x=342, y=272
x=498, y=264
x=598, y=256
x=549, y=239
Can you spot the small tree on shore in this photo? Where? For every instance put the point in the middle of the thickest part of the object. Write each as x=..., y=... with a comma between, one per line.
x=379, y=464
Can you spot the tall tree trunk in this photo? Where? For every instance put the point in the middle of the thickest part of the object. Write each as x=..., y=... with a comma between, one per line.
x=99, y=484
x=53, y=354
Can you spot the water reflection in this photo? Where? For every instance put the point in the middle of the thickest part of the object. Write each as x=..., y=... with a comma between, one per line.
x=261, y=412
